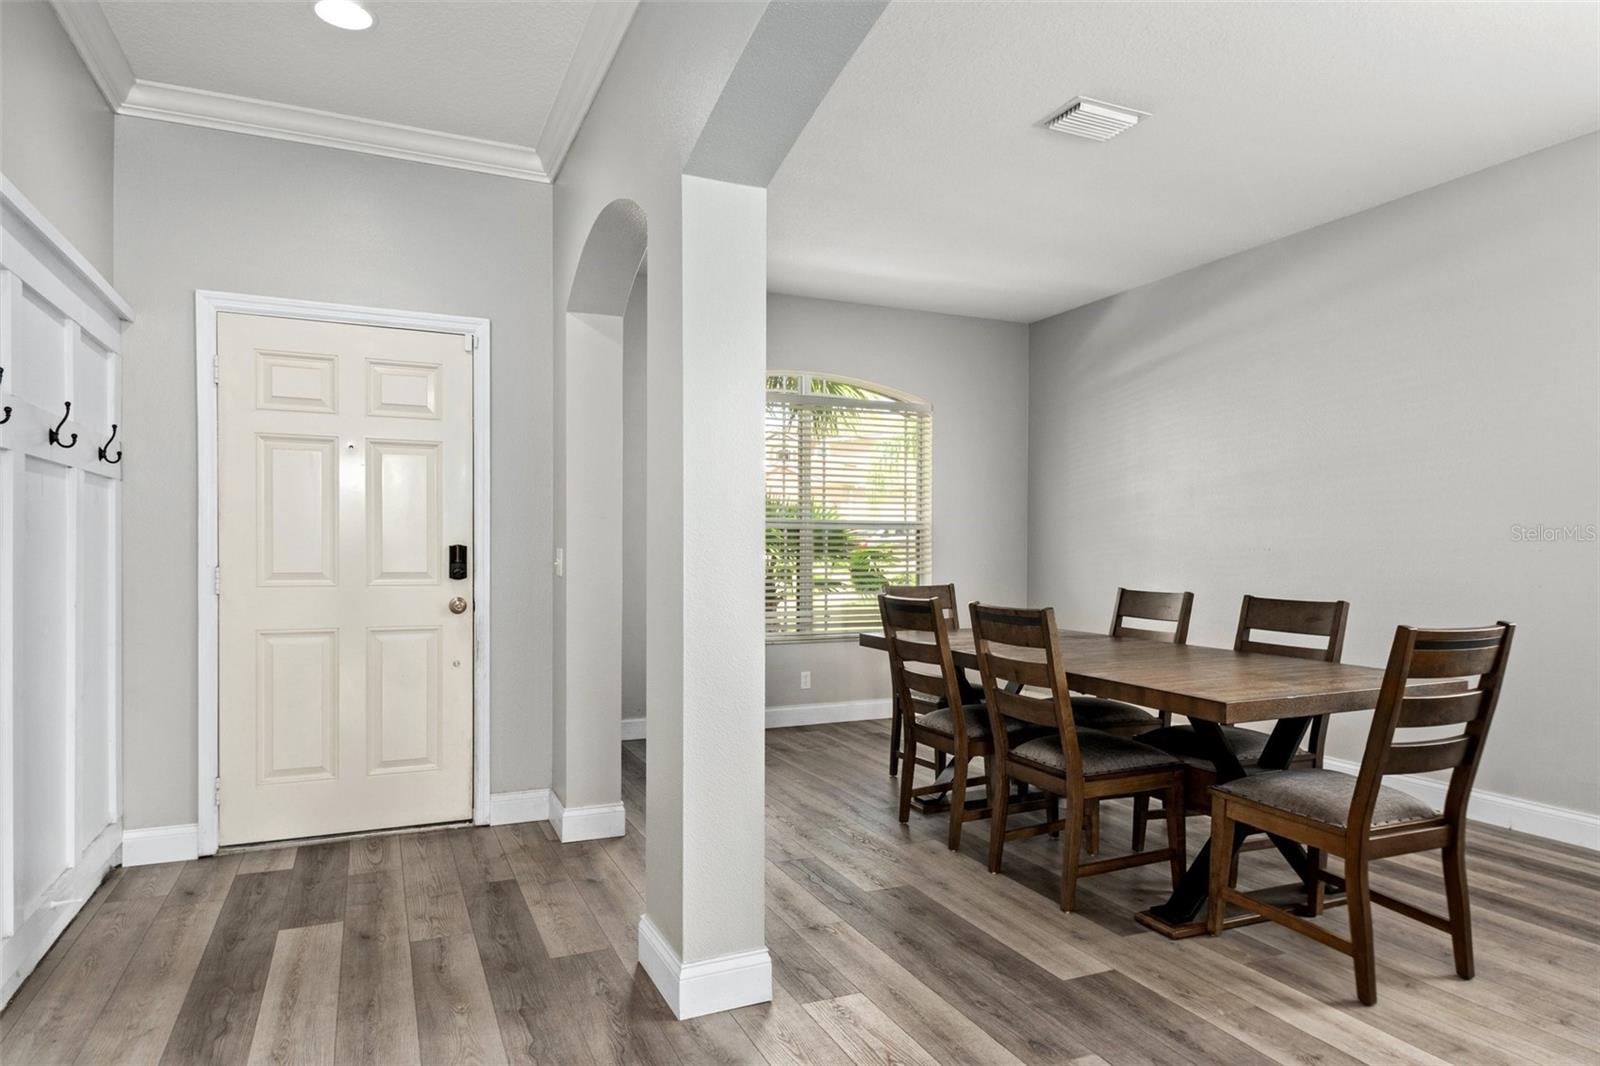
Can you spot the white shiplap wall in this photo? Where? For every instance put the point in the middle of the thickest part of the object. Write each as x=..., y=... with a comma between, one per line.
x=60, y=577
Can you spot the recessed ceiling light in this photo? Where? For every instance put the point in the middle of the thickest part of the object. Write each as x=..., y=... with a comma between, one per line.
x=1095, y=119
x=345, y=14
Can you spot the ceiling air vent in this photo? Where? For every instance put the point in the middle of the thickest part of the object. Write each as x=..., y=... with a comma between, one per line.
x=1095, y=119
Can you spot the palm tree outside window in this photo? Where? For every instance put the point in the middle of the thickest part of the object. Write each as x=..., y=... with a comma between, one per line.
x=849, y=471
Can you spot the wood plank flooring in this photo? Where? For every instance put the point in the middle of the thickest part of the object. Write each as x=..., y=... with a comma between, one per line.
x=504, y=946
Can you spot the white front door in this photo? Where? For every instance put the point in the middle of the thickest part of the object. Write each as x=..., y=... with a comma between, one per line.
x=345, y=669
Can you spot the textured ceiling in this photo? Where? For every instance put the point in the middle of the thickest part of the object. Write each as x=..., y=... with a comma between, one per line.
x=483, y=69
x=925, y=179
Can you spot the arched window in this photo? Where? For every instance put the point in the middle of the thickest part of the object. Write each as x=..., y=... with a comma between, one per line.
x=849, y=470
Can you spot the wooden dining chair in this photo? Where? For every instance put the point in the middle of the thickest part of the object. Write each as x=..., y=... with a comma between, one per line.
x=1321, y=619
x=925, y=674
x=1127, y=719
x=1133, y=605
x=945, y=595
x=1358, y=819
x=1019, y=654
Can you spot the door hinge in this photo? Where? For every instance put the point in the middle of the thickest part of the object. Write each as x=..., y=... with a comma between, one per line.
x=469, y=341
x=216, y=581
x=216, y=368
x=216, y=792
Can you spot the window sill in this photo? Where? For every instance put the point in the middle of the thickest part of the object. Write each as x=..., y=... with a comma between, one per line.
x=825, y=638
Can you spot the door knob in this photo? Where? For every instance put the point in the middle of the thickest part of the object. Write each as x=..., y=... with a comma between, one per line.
x=458, y=605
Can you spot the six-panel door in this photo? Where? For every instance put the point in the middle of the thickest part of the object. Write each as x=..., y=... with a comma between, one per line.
x=345, y=679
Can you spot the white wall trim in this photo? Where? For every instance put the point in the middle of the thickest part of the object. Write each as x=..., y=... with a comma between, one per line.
x=12, y=199
x=597, y=47
x=91, y=34
x=726, y=982
x=1546, y=820
x=821, y=713
x=586, y=823
x=85, y=842
x=162, y=843
x=61, y=902
x=207, y=305
x=794, y=714
x=530, y=805
x=328, y=129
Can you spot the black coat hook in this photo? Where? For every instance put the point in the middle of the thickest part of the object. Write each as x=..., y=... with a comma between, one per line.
x=7, y=408
x=55, y=434
x=107, y=445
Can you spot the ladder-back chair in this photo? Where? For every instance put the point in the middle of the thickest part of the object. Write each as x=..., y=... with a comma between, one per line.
x=1024, y=680
x=1358, y=818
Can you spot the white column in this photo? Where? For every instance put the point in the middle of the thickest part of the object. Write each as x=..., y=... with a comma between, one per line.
x=702, y=939
x=587, y=799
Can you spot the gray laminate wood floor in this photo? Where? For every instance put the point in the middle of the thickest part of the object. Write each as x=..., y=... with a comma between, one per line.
x=501, y=945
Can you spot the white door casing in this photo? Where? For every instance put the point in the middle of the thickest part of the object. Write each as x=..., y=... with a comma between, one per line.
x=345, y=681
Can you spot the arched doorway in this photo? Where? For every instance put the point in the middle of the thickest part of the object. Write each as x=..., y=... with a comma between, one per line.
x=586, y=801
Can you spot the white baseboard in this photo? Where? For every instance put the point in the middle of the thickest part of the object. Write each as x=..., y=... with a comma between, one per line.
x=531, y=805
x=795, y=714
x=822, y=713
x=162, y=843
x=586, y=823
x=726, y=982
x=40, y=925
x=177, y=843
x=1495, y=808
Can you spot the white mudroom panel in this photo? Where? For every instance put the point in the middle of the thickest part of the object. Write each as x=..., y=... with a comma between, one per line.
x=60, y=582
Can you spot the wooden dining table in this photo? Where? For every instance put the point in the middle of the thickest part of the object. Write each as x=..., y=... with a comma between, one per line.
x=1212, y=687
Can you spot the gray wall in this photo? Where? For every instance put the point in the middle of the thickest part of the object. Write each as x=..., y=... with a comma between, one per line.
x=975, y=374
x=199, y=209
x=55, y=128
x=634, y=543
x=1365, y=410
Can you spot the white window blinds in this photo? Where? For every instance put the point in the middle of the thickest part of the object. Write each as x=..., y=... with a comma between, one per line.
x=849, y=471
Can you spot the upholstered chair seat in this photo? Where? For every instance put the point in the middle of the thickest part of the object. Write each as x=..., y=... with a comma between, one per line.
x=1101, y=754
x=1324, y=796
x=1092, y=712
x=1428, y=685
x=976, y=719
x=1025, y=679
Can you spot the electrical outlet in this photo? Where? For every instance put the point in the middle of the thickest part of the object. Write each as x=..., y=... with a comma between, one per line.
x=805, y=679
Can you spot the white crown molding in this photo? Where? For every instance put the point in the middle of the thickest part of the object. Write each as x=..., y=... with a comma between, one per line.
x=89, y=30
x=328, y=129
x=90, y=33
x=602, y=35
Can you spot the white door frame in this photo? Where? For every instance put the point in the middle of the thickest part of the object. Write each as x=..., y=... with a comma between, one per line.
x=209, y=304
